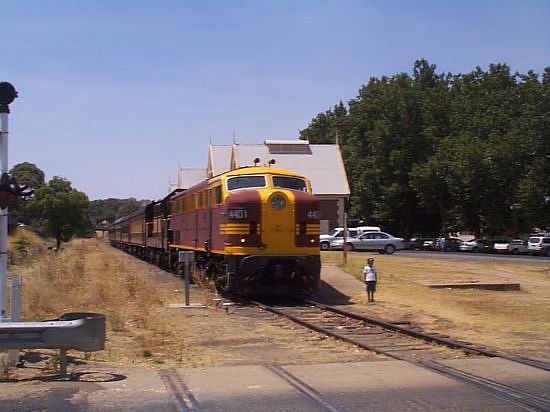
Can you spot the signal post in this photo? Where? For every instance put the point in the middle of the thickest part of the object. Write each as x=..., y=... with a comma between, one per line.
x=7, y=96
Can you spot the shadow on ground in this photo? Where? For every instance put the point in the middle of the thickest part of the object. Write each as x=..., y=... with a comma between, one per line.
x=331, y=296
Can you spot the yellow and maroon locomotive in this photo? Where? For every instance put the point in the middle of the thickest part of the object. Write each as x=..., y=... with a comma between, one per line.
x=254, y=231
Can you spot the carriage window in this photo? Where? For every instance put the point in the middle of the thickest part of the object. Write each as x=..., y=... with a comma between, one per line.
x=218, y=194
x=245, y=182
x=292, y=183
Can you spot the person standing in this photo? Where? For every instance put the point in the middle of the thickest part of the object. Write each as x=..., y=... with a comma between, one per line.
x=371, y=277
x=442, y=243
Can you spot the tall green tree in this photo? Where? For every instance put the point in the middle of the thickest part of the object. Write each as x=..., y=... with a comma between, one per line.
x=28, y=174
x=111, y=209
x=430, y=153
x=59, y=210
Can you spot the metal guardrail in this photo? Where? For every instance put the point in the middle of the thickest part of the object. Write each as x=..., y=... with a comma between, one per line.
x=81, y=331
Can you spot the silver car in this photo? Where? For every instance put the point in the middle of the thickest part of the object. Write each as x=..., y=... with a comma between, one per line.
x=381, y=242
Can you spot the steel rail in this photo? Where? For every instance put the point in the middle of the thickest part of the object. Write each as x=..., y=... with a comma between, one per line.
x=509, y=393
x=183, y=399
x=320, y=400
x=504, y=391
x=328, y=332
x=434, y=338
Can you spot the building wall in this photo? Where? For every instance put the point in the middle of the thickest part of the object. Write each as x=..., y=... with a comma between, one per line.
x=329, y=214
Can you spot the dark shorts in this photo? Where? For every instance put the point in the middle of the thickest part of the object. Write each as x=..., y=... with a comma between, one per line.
x=371, y=286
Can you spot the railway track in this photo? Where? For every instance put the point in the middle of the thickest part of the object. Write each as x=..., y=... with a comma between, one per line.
x=409, y=344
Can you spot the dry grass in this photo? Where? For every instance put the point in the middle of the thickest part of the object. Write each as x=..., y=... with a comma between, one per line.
x=90, y=276
x=512, y=320
x=142, y=330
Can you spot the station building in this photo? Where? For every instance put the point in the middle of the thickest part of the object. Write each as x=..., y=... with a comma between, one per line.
x=321, y=163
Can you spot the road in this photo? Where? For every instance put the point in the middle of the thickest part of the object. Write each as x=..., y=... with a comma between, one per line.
x=477, y=256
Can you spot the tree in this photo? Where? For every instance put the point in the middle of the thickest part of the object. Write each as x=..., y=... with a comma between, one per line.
x=430, y=153
x=111, y=209
x=28, y=174
x=59, y=210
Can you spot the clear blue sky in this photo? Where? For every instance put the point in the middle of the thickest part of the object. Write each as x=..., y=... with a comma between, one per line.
x=115, y=94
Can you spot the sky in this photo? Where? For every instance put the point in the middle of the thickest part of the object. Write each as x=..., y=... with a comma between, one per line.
x=115, y=95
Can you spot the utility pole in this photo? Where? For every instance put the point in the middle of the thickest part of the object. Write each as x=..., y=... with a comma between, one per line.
x=7, y=96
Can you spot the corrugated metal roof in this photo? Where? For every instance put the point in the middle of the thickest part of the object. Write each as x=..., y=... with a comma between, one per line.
x=322, y=164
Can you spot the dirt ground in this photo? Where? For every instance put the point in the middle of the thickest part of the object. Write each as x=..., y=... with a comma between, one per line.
x=144, y=330
x=516, y=321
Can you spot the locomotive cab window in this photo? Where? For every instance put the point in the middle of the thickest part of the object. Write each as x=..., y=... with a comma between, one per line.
x=245, y=182
x=289, y=182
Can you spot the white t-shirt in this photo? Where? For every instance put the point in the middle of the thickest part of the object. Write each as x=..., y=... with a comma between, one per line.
x=370, y=273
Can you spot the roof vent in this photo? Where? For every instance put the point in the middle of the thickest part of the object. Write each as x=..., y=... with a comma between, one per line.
x=288, y=146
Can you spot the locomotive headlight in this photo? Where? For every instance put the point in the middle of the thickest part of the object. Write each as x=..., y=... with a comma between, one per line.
x=278, y=202
x=313, y=214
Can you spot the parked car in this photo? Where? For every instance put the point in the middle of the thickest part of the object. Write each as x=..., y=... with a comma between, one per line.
x=337, y=233
x=429, y=244
x=539, y=245
x=452, y=244
x=365, y=229
x=517, y=247
x=381, y=242
x=501, y=246
x=474, y=245
x=417, y=243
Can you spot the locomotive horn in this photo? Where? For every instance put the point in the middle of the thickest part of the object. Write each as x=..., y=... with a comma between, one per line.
x=271, y=162
x=256, y=161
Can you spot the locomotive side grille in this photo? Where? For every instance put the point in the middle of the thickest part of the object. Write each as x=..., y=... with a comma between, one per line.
x=239, y=228
x=308, y=229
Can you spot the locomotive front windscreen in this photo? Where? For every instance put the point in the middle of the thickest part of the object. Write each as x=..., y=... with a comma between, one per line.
x=245, y=182
x=288, y=182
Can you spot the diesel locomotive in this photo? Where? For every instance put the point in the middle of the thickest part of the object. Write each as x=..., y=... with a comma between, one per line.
x=254, y=231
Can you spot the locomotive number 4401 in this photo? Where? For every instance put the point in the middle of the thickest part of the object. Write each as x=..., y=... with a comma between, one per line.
x=237, y=214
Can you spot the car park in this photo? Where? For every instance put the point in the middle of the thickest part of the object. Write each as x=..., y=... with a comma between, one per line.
x=474, y=245
x=381, y=242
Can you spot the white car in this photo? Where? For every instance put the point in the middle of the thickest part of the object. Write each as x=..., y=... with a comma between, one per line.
x=474, y=245
x=337, y=233
x=501, y=246
x=381, y=242
x=539, y=245
x=517, y=247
